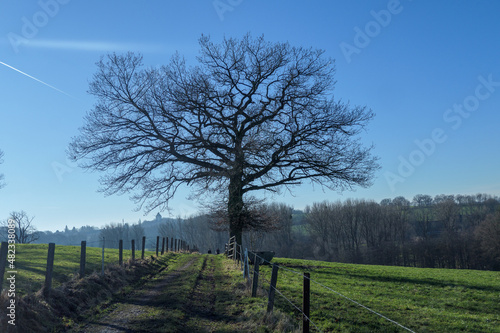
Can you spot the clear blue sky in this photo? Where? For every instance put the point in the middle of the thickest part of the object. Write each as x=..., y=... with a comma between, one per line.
x=430, y=70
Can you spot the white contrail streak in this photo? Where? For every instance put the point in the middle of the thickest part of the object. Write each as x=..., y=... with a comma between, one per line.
x=34, y=78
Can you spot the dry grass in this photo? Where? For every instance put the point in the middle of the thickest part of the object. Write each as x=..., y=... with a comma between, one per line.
x=35, y=313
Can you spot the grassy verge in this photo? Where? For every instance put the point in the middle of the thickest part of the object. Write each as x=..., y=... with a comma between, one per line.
x=31, y=263
x=70, y=301
x=424, y=300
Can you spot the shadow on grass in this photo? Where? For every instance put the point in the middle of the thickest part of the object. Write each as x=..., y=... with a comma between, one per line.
x=393, y=279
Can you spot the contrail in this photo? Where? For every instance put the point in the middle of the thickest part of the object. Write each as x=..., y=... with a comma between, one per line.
x=34, y=78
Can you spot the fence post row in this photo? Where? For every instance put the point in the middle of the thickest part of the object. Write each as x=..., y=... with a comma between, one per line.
x=3, y=262
x=83, y=256
x=50, y=269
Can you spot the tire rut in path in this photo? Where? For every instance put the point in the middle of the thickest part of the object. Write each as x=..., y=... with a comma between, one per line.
x=202, y=299
x=119, y=319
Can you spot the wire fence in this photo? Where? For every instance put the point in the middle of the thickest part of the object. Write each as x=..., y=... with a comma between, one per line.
x=238, y=254
x=161, y=245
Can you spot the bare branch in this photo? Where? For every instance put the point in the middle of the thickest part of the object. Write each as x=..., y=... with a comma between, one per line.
x=253, y=115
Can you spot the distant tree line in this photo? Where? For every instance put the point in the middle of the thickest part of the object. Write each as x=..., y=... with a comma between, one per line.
x=446, y=231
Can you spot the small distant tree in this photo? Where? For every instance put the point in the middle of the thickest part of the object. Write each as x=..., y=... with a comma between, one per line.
x=25, y=230
x=488, y=235
x=137, y=232
x=113, y=232
x=252, y=116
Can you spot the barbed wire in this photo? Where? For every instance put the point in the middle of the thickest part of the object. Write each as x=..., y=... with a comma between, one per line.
x=336, y=292
x=296, y=307
x=261, y=277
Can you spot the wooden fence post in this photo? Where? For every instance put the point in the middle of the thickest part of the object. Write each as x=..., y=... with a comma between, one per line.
x=255, y=282
x=103, y=244
x=163, y=246
x=50, y=269
x=175, y=245
x=272, y=289
x=306, y=301
x=120, y=252
x=133, y=249
x=3, y=262
x=166, y=246
x=157, y=244
x=83, y=255
x=171, y=243
x=143, y=246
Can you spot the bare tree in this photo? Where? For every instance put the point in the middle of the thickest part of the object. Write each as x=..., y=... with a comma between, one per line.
x=137, y=232
x=25, y=230
x=325, y=225
x=113, y=232
x=253, y=115
x=422, y=213
x=488, y=234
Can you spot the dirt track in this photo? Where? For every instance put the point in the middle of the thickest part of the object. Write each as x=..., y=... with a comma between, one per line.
x=126, y=313
x=187, y=299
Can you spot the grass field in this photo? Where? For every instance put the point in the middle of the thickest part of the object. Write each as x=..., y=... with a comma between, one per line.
x=423, y=300
x=31, y=263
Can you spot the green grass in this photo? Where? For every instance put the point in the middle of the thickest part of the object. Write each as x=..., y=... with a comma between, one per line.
x=31, y=264
x=424, y=300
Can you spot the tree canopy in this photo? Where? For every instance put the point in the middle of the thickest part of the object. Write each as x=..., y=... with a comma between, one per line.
x=251, y=115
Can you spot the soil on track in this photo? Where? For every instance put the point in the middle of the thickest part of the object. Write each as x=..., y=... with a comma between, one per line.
x=187, y=299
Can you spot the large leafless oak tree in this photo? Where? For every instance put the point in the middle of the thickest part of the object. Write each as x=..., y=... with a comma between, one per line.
x=252, y=115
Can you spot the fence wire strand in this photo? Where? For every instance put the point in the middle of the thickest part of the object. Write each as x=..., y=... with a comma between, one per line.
x=336, y=292
x=296, y=307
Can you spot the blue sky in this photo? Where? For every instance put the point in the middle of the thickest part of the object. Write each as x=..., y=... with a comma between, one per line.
x=429, y=70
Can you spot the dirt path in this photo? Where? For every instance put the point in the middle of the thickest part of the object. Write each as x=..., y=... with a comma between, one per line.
x=126, y=313
x=196, y=294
